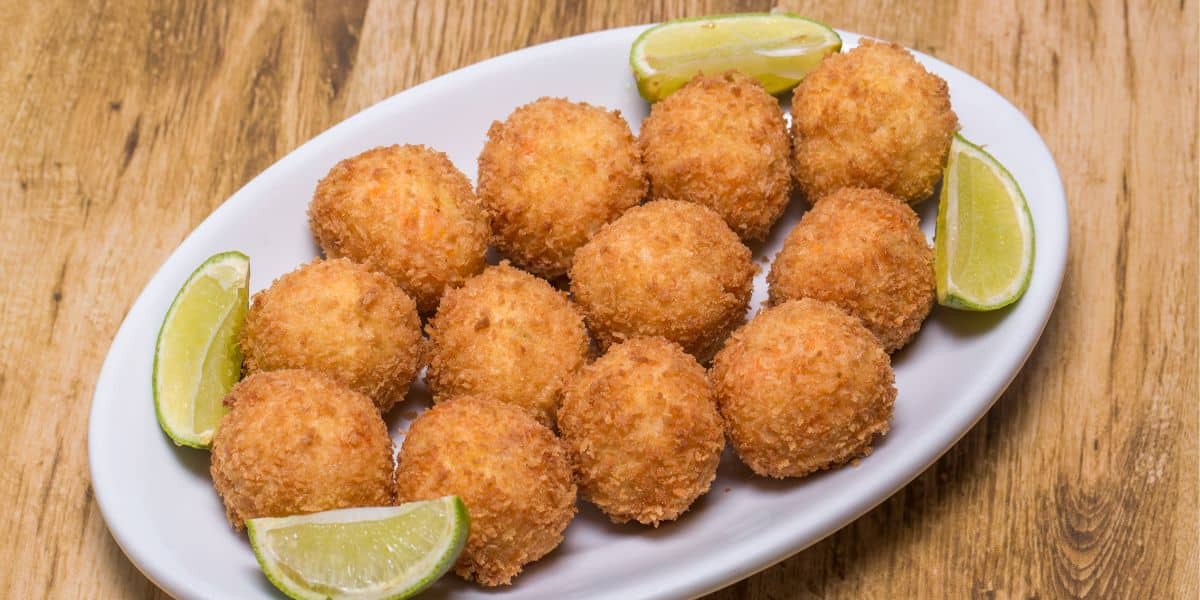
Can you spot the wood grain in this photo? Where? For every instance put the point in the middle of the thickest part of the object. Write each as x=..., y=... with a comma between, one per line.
x=128, y=122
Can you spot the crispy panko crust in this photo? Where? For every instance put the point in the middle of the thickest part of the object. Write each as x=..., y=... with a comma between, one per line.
x=721, y=141
x=406, y=212
x=551, y=175
x=667, y=268
x=512, y=473
x=803, y=387
x=872, y=117
x=862, y=250
x=339, y=318
x=643, y=430
x=297, y=442
x=507, y=335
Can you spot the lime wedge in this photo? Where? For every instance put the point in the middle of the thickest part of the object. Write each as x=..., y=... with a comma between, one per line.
x=380, y=552
x=777, y=49
x=984, y=239
x=196, y=358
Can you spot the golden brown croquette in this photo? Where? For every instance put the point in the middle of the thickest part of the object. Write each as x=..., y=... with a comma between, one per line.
x=871, y=117
x=721, y=141
x=551, y=175
x=666, y=268
x=406, y=212
x=803, y=387
x=863, y=251
x=511, y=472
x=273, y=451
x=642, y=427
x=341, y=319
x=507, y=335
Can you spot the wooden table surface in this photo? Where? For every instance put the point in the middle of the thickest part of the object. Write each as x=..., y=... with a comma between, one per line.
x=128, y=122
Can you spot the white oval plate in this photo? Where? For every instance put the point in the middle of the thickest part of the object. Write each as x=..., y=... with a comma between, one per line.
x=158, y=500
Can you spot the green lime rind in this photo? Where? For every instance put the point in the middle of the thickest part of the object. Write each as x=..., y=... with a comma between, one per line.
x=949, y=294
x=658, y=85
x=230, y=327
x=415, y=578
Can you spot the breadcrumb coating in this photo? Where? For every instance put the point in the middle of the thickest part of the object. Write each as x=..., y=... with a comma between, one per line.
x=297, y=442
x=643, y=430
x=341, y=319
x=667, y=268
x=803, y=387
x=871, y=117
x=551, y=175
x=863, y=251
x=721, y=141
x=511, y=472
x=404, y=211
x=507, y=335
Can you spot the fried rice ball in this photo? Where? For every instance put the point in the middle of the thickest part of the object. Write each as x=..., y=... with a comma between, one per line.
x=863, y=251
x=667, y=268
x=721, y=141
x=507, y=335
x=273, y=451
x=339, y=318
x=406, y=212
x=551, y=175
x=512, y=473
x=872, y=117
x=803, y=387
x=643, y=430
